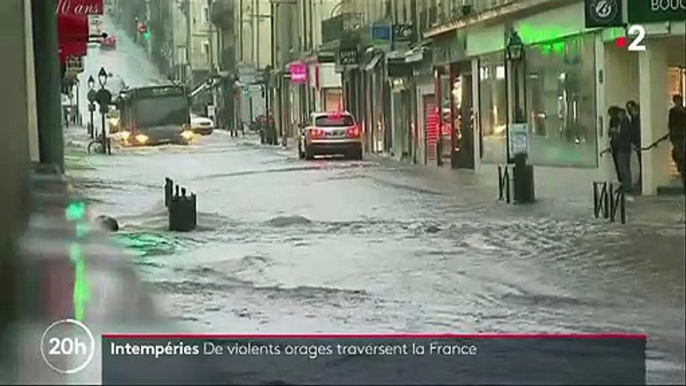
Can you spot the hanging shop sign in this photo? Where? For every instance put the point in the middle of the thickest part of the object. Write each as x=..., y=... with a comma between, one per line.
x=348, y=56
x=656, y=11
x=603, y=13
x=298, y=72
x=79, y=7
x=403, y=33
x=381, y=33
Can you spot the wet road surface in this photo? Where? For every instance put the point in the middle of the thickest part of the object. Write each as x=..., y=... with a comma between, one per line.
x=286, y=245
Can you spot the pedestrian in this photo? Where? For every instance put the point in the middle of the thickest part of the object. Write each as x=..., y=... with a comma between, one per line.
x=677, y=134
x=624, y=151
x=613, y=133
x=635, y=118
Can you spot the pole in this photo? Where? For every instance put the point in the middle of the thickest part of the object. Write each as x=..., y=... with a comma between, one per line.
x=48, y=82
x=189, y=46
x=78, y=103
x=508, y=156
x=256, y=33
x=104, y=133
x=91, y=128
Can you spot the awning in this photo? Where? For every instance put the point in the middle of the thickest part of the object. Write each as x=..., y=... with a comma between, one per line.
x=210, y=83
x=396, y=55
x=416, y=54
x=372, y=63
x=202, y=87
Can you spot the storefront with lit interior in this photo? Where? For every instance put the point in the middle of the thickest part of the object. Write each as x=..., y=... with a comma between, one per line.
x=650, y=77
x=553, y=91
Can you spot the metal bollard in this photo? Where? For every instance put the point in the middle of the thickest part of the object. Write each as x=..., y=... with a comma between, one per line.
x=182, y=209
x=168, y=189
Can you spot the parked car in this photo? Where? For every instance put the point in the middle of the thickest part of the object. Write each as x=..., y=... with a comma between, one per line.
x=202, y=125
x=329, y=134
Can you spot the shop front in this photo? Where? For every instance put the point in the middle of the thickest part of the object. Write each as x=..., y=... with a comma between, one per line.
x=329, y=91
x=651, y=78
x=375, y=105
x=453, y=90
x=551, y=89
x=401, y=116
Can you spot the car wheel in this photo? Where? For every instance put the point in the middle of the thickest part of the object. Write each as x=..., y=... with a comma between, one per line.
x=356, y=154
x=309, y=154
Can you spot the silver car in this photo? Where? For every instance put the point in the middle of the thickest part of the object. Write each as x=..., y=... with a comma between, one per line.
x=330, y=134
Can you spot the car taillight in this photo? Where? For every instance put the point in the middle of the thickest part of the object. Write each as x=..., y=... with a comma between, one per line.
x=315, y=133
x=354, y=132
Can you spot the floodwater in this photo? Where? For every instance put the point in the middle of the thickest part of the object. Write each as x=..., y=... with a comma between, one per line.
x=286, y=245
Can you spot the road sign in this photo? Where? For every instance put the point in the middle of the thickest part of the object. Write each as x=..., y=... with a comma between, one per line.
x=91, y=96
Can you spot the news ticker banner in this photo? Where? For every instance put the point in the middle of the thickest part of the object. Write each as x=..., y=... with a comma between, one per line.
x=345, y=359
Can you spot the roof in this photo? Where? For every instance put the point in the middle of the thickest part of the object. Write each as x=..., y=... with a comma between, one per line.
x=327, y=113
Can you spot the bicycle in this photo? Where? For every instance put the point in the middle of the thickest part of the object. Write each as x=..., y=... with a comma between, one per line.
x=97, y=146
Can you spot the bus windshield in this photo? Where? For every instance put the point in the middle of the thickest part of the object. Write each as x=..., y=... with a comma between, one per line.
x=161, y=111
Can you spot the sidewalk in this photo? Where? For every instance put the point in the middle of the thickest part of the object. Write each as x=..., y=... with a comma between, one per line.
x=560, y=191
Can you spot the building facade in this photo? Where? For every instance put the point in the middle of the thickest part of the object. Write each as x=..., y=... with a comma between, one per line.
x=431, y=81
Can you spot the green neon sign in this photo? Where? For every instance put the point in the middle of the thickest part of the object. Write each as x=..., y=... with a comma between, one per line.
x=76, y=213
x=548, y=39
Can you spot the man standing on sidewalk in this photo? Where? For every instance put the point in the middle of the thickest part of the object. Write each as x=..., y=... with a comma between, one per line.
x=624, y=149
x=677, y=134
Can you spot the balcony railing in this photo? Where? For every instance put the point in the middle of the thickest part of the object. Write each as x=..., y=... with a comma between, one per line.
x=454, y=10
x=333, y=29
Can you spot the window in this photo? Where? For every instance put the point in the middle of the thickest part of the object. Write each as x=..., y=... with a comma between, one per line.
x=206, y=47
x=560, y=99
x=206, y=14
x=492, y=107
x=334, y=121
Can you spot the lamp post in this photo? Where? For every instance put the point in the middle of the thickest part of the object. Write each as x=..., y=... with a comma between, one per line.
x=514, y=53
x=518, y=132
x=91, y=105
x=104, y=98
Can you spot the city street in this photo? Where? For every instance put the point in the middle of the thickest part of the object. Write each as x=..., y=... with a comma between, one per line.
x=286, y=245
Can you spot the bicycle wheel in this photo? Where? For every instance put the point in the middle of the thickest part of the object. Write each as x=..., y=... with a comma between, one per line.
x=95, y=147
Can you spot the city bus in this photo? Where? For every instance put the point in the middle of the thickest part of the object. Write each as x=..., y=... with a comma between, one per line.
x=153, y=115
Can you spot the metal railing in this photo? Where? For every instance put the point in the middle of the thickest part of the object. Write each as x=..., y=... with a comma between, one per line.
x=607, y=199
x=504, y=183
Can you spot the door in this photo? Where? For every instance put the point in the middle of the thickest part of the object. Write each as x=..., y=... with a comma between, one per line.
x=431, y=117
x=463, y=115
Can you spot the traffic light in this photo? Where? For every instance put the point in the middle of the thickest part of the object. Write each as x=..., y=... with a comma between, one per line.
x=143, y=31
x=146, y=35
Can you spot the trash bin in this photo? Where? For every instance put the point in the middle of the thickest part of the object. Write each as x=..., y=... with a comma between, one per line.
x=523, y=176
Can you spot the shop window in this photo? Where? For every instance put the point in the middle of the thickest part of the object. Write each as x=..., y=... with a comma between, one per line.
x=492, y=107
x=560, y=99
x=446, y=113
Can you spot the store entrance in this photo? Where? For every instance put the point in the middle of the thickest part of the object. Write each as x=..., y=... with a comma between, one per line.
x=463, y=116
x=677, y=85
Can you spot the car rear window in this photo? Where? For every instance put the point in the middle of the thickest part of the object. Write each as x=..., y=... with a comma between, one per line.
x=331, y=121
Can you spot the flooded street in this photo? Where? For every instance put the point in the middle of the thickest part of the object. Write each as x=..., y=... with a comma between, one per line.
x=286, y=245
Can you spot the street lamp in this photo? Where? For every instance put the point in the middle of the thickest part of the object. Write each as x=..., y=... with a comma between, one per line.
x=517, y=133
x=515, y=47
x=102, y=77
x=91, y=82
x=514, y=54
